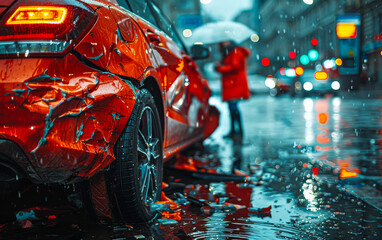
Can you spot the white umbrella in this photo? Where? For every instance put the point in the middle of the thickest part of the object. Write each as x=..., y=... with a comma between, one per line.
x=219, y=32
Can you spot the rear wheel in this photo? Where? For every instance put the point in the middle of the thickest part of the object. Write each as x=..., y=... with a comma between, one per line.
x=135, y=178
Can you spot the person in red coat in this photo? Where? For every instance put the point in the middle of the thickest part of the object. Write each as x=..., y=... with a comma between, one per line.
x=234, y=82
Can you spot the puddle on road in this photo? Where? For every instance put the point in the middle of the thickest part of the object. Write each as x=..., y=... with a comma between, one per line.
x=301, y=207
x=297, y=176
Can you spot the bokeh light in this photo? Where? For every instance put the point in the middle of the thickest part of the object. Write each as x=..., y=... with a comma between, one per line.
x=308, y=86
x=314, y=41
x=205, y=1
x=336, y=85
x=313, y=54
x=187, y=33
x=322, y=118
x=329, y=63
x=346, y=30
x=292, y=55
x=309, y=2
x=339, y=61
x=290, y=72
x=265, y=62
x=255, y=37
x=304, y=59
x=299, y=71
x=321, y=75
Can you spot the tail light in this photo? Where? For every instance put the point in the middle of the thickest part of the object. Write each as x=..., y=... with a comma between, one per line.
x=44, y=29
x=321, y=75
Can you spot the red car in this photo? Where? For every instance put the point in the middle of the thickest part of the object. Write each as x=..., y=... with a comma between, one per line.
x=98, y=90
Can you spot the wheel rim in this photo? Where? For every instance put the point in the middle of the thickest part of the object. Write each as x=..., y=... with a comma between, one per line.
x=148, y=154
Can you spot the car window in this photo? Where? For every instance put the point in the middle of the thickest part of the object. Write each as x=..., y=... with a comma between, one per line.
x=141, y=8
x=167, y=27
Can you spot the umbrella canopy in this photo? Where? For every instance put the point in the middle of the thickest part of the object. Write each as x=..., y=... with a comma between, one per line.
x=219, y=32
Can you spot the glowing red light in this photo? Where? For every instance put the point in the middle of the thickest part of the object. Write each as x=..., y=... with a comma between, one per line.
x=292, y=55
x=282, y=71
x=315, y=171
x=265, y=62
x=314, y=41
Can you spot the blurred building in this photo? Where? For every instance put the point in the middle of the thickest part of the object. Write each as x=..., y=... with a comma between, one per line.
x=289, y=26
x=371, y=12
x=184, y=14
x=251, y=19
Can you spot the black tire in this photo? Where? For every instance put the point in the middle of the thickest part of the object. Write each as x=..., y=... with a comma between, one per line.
x=134, y=180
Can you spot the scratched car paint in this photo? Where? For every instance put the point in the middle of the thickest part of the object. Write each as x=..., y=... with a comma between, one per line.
x=93, y=80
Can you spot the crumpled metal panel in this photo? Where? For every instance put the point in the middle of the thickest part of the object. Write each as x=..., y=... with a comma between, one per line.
x=106, y=46
x=66, y=125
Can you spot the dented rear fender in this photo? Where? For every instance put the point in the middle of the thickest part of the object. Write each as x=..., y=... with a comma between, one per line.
x=64, y=115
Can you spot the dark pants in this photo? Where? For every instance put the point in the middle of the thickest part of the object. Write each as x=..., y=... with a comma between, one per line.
x=236, y=127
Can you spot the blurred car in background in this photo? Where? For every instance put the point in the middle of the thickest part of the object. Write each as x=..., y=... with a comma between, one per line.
x=280, y=83
x=318, y=82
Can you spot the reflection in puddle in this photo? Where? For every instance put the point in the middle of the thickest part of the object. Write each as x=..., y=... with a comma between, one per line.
x=294, y=152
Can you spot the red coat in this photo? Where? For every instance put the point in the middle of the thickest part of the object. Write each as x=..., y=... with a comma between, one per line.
x=234, y=75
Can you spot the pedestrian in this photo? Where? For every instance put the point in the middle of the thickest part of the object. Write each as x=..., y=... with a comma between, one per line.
x=234, y=82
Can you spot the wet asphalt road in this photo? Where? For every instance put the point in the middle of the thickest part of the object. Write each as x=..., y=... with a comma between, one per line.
x=314, y=171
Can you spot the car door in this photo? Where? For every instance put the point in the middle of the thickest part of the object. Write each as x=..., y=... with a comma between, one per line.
x=170, y=67
x=185, y=90
x=179, y=74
